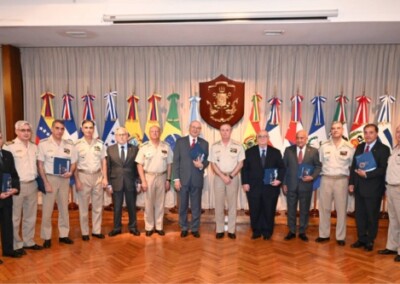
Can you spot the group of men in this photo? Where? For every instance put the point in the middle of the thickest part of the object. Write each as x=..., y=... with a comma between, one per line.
x=123, y=170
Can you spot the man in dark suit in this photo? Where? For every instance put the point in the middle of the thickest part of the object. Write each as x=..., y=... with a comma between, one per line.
x=298, y=187
x=262, y=196
x=122, y=175
x=7, y=166
x=189, y=174
x=368, y=187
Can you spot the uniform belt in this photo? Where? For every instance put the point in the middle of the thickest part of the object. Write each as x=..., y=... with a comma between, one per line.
x=26, y=182
x=155, y=174
x=89, y=172
x=335, y=177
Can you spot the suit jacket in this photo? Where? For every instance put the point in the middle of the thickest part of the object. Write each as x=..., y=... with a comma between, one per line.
x=374, y=184
x=183, y=168
x=8, y=167
x=120, y=173
x=310, y=157
x=253, y=172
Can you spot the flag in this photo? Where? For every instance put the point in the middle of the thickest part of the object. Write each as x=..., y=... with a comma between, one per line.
x=88, y=113
x=295, y=121
x=112, y=122
x=340, y=114
x=194, y=113
x=71, y=132
x=253, y=126
x=46, y=117
x=384, y=119
x=317, y=133
x=360, y=119
x=273, y=124
x=152, y=116
x=132, y=123
x=172, y=129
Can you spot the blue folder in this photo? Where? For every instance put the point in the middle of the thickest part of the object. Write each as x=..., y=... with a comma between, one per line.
x=304, y=170
x=366, y=162
x=197, y=152
x=7, y=182
x=270, y=175
x=61, y=165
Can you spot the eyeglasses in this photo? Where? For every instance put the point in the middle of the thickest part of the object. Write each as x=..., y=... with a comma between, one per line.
x=262, y=136
x=25, y=130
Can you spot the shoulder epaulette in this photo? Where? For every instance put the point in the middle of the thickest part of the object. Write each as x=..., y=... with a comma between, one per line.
x=145, y=143
x=32, y=142
x=99, y=140
x=44, y=139
x=216, y=143
x=79, y=141
x=69, y=141
x=348, y=144
x=8, y=143
x=325, y=142
x=235, y=142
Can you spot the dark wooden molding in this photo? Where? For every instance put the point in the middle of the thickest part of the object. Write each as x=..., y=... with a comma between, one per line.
x=12, y=88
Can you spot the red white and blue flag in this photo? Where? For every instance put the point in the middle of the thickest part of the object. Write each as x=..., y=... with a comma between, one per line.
x=384, y=119
x=360, y=120
x=132, y=122
x=46, y=117
x=295, y=121
x=88, y=113
x=71, y=132
x=112, y=122
x=152, y=115
x=273, y=125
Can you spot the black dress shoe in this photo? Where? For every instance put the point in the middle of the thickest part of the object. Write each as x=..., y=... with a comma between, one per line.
x=66, y=240
x=357, y=244
x=290, y=236
x=13, y=254
x=341, y=243
x=232, y=236
x=397, y=258
x=369, y=247
x=1, y=262
x=160, y=232
x=184, y=234
x=85, y=238
x=99, y=236
x=219, y=235
x=267, y=237
x=303, y=237
x=34, y=247
x=134, y=232
x=387, y=251
x=149, y=233
x=114, y=233
x=321, y=240
x=196, y=234
x=255, y=236
x=47, y=244
x=21, y=251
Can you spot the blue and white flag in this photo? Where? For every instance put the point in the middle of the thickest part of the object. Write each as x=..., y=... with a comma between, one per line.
x=273, y=125
x=384, y=119
x=112, y=122
x=71, y=132
x=194, y=113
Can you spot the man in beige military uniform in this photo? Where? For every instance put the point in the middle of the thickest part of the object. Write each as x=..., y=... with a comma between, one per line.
x=25, y=204
x=336, y=156
x=56, y=186
x=154, y=161
x=226, y=158
x=91, y=165
x=393, y=198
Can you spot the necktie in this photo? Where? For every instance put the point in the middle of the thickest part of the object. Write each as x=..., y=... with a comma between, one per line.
x=366, y=149
x=1, y=160
x=193, y=143
x=122, y=153
x=263, y=157
x=300, y=157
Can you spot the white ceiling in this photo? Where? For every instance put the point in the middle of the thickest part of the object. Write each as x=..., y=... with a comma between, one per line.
x=24, y=24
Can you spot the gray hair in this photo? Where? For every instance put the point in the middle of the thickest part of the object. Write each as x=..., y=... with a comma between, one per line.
x=21, y=123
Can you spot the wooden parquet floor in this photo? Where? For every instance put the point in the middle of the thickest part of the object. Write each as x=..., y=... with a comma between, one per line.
x=171, y=259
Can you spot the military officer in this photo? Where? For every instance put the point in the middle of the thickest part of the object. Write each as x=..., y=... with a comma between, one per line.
x=154, y=161
x=336, y=156
x=25, y=204
x=56, y=185
x=226, y=158
x=89, y=181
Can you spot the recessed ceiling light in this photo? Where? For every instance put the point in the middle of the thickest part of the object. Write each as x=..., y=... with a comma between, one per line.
x=273, y=32
x=78, y=34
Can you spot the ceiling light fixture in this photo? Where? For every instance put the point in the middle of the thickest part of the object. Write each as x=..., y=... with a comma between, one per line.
x=273, y=32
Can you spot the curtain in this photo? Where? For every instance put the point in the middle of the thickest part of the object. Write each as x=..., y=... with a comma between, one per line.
x=268, y=70
x=2, y=110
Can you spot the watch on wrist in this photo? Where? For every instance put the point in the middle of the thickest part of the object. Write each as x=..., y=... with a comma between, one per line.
x=230, y=176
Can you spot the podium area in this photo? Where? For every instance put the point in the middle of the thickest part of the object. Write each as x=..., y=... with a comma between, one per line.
x=170, y=259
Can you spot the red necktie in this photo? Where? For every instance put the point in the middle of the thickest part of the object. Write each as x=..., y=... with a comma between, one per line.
x=193, y=143
x=300, y=157
x=366, y=149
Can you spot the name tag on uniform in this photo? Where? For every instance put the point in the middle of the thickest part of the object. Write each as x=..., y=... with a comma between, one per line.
x=233, y=150
x=66, y=151
x=343, y=153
